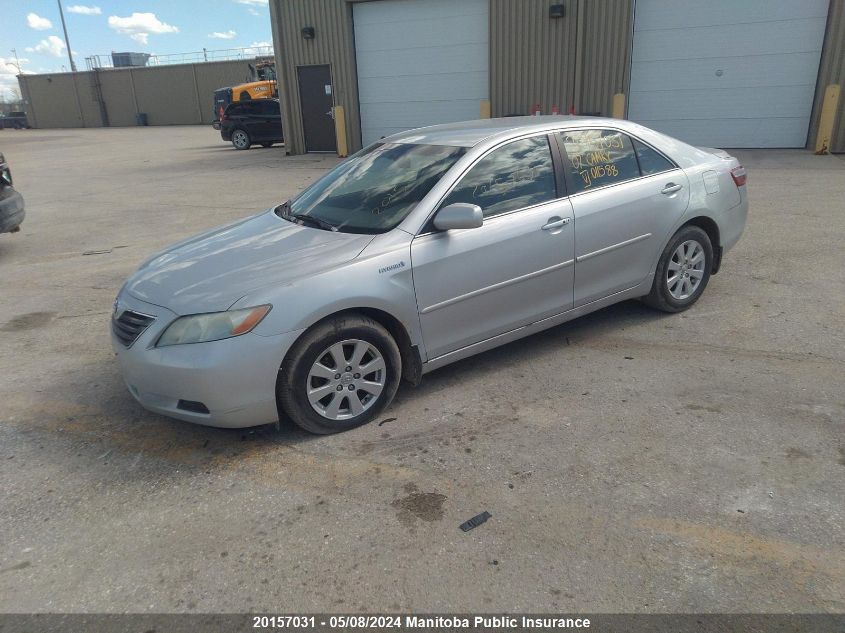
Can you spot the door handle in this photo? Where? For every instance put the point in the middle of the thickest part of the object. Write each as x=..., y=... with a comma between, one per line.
x=671, y=188
x=555, y=224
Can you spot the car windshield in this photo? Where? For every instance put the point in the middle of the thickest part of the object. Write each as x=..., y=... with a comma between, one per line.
x=375, y=189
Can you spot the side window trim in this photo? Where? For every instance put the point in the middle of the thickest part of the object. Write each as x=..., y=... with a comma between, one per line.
x=562, y=186
x=571, y=185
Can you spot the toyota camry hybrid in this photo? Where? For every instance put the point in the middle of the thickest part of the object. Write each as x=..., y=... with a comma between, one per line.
x=424, y=248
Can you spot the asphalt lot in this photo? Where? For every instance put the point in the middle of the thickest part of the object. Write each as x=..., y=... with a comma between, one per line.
x=632, y=461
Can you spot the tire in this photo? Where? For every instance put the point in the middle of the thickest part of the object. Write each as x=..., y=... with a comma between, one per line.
x=240, y=139
x=267, y=145
x=682, y=256
x=312, y=364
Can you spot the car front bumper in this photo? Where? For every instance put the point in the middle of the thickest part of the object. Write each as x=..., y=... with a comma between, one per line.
x=234, y=378
x=12, y=210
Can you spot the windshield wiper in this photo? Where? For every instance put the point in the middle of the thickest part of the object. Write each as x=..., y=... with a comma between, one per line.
x=281, y=211
x=316, y=221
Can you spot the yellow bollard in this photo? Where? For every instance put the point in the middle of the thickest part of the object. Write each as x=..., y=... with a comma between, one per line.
x=829, y=103
x=340, y=131
x=485, y=109
x=618, y=109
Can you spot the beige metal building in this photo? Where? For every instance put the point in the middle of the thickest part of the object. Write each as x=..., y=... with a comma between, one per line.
x=177, y=94
x=727, y=73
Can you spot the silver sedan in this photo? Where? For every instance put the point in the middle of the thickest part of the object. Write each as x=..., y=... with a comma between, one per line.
x=427, y=247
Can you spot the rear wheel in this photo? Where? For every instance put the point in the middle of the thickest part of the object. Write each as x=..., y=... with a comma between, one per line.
x=240, y=139
x=683, y=271
x=339, y=375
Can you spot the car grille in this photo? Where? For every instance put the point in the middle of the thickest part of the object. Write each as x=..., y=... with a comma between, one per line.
x=129, y=326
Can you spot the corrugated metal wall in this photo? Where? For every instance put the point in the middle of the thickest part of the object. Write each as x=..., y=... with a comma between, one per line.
x=579, y=60
x=605, y=53
x=831, y=71
x=334, y=44
x=180, y=94
x=532, y=57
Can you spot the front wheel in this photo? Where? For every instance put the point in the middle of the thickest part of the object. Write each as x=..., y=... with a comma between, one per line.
x=240, y=139
x=339, y=375
x=682, y=272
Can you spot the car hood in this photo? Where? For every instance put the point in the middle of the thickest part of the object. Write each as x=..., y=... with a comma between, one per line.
x=210, y=272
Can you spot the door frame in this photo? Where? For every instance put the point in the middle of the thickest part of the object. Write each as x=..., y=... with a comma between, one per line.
x=302, y=118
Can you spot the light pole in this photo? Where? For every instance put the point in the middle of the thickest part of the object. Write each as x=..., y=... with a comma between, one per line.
x=67, y=42
x=17, y=61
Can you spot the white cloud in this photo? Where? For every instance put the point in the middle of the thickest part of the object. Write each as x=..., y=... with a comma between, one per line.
x=253, y=12
x=227, y=35
x=139, y=26
x=254, y=3
x=259, y=48
x=83, y=10
x=8, y=76
x=35, y=21
x=52, y=46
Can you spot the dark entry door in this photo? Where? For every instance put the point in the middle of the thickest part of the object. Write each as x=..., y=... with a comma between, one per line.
x=316, y=101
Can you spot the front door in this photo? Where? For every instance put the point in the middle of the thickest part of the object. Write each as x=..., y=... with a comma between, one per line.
x=517, y=268
x=316, y=102
x=627, y=197
x=269, y=122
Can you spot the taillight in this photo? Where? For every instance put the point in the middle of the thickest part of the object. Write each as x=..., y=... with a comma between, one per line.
x=739, y=175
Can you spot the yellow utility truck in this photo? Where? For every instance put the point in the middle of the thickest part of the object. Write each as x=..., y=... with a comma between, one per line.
x=261, y=85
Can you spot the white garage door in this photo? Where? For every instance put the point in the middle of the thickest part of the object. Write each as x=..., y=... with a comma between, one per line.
x=727, y=73
x=420, y=62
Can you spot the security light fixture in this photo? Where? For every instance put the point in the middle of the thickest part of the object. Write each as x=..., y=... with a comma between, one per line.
x=308, y=32
x=556, y=11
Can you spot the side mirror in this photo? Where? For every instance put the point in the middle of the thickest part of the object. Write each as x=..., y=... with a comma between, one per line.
x=460, y=215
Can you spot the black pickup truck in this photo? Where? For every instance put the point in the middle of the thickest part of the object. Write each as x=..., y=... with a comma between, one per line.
x=16, y=120
x=11, y=202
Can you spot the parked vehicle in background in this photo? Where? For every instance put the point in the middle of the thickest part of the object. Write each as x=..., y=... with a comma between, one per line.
x=222, y=98
x=249, y=122
x=424, y=248
x=14, y=120
x=262, y=85
x=11, y=202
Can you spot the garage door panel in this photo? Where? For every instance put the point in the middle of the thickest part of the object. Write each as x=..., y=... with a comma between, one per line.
x=457, y=86
x=427, y=34
x=435, y=61
x=398, y=12
x=384, y=119
x=407, y=116
x=765, y=102
x=725, y=73
x=692, y=13
x=420, y=63
x=738, y=133
x=737, y=72
x=733, y=40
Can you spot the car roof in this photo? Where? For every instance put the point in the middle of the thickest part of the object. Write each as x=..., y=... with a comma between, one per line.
x=471, y=133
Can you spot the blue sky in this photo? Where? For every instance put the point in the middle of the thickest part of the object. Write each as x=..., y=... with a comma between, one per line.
x=34, y=28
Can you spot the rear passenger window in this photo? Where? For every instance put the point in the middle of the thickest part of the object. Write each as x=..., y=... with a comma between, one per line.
x=651, y=161
x=598, y=157
x=514, y=176
x=269, y=107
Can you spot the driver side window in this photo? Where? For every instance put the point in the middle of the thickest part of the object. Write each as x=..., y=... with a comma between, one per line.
x=517, y=175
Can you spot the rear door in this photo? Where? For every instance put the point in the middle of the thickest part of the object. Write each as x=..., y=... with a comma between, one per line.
x=625, y=201
x=474, y=284
x=268, y=123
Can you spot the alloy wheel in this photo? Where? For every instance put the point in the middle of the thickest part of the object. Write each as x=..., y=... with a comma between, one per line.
x=346, y=379
x=239, y=138
x=685, y=270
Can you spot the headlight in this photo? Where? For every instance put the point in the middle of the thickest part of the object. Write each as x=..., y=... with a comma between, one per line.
x=201, y=328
